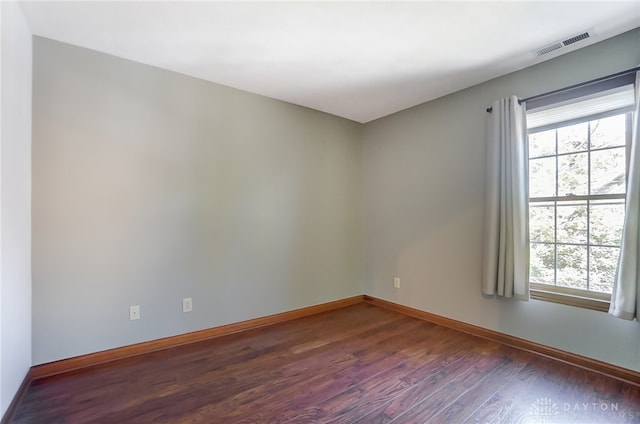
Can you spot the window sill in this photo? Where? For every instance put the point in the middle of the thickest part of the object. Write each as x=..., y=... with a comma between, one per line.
x=596, y=302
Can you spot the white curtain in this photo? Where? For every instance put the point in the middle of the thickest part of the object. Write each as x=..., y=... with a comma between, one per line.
x=625, y=300
x=506, y=229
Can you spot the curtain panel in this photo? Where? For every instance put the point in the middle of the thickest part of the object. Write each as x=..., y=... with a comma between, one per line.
x=506, y=230
x=625, y=299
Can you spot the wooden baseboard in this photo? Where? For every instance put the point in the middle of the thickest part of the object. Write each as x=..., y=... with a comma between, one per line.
x=84, y=361
x=92, y=359
x=97, y=358
x=17, y=398
x=605, y=368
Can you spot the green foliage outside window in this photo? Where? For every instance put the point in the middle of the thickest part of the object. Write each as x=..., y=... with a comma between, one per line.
x=577, y=186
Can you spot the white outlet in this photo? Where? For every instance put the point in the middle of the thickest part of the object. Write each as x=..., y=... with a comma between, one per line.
x=134, y=312
x=187, y=305
x=396, y=282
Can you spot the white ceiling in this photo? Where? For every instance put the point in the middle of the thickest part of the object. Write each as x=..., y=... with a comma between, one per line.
x=358, y=60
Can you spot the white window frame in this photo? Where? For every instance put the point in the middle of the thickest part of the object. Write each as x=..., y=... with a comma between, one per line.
x=565, y=295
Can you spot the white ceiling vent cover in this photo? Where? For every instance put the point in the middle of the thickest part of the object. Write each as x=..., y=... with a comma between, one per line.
x=563, y=43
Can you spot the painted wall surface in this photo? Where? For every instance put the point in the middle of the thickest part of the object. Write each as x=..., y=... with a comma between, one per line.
x=424, y=202
x=150, y=186
x=15, y=201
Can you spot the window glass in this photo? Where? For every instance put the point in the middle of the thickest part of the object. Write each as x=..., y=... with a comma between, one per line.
x=573, y=174
x=573, y=138
x=572, y=223
x=608, y=168
x=608, y=132
x=542, y=144
x=577, y=183
x=542, y=177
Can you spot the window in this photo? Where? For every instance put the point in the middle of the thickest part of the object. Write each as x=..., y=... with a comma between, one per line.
x=578, y=153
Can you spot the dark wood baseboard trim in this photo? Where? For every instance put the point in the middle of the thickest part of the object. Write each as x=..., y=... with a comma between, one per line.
x=98, y=358
x=604, y=368
x=80, y=362
x=13, y=406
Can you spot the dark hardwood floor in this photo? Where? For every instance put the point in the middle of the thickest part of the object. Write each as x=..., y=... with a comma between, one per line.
x=360, y=364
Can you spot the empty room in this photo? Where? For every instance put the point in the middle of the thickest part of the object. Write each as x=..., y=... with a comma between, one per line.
x=320, y=212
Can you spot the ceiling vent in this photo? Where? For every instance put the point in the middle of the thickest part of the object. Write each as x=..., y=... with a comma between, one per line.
x=549, y=49
x=563, y=43
x=576, y=38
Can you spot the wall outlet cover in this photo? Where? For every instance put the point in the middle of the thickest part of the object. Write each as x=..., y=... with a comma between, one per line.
x=134, y=312
x=187, y=304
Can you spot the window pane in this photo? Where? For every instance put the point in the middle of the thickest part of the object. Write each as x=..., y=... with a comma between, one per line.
x=602, y=268
x=572, y=223
x=576, y=243
x=542, y=177
x=608, y=132
x=541, y=263
x=572, y=174
x=542, y=144
x=608, y=171
x=573, y=138
x=541, y=222
x=605, y=222
x=572, y=266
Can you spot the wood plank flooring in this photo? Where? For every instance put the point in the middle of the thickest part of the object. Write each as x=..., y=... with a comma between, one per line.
x=360, y=364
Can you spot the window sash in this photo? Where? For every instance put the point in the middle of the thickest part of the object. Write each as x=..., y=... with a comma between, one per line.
x=566, y=295
x=590, y=241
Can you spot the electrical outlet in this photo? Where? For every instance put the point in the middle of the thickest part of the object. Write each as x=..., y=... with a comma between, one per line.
x=396, y=282
x=134, y=312
x=187, y=304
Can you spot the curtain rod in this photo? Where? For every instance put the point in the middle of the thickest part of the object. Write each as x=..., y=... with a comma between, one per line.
x=582, y=84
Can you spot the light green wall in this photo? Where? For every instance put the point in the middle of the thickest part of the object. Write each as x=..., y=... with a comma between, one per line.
x=15, y=201
x=150, y=186
x=424, y=197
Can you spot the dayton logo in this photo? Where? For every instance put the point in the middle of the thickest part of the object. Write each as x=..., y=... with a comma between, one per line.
x=544, y=410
